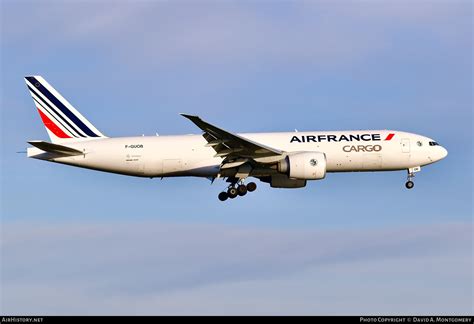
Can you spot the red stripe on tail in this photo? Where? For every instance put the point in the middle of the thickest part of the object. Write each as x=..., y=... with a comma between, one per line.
x=52, y=126
x=390, y=136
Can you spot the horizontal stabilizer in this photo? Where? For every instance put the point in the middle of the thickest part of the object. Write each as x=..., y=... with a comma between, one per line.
x=55, y=148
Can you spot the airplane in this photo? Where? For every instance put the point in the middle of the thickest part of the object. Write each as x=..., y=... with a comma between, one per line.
x=283, y=160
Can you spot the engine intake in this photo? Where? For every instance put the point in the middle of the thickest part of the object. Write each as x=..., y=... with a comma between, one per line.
x=304, y=165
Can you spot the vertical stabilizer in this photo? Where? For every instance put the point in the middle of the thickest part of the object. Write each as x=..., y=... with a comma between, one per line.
x=62, y=121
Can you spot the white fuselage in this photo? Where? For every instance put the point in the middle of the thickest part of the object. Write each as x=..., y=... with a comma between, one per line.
x=188, y=155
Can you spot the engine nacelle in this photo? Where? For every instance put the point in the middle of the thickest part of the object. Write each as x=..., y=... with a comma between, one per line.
x=304, y=165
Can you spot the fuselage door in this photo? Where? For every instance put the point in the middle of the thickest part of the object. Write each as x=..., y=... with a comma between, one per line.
x=405, y=145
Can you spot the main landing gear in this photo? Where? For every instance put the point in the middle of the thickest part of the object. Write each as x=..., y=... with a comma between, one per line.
x=411, y=174
x=235, y=190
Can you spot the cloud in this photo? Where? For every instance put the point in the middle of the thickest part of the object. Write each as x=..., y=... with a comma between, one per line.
x=131, y=268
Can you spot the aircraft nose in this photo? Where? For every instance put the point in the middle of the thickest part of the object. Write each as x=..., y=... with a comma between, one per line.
x=443, y=152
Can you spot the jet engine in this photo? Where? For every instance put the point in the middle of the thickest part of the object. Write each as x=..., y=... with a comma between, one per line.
x=304, y=165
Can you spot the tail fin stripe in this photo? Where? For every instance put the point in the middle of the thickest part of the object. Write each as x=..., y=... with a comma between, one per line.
x=56, y=121
x=58, y=104
x=51, y=126
x=72, y=129
x=56, y=112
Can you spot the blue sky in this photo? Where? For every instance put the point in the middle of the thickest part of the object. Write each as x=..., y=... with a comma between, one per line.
x=82, y=242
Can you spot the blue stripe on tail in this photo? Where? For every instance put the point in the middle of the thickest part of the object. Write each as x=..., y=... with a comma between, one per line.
x=61, y=107
x=54, y=113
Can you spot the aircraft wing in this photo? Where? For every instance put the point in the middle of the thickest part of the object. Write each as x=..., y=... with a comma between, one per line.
x=232, y=146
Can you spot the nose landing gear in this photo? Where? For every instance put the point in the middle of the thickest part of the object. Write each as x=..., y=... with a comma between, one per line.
x=411, y=174
x=233, y=191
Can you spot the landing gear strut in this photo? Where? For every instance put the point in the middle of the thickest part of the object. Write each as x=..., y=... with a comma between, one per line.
x=235, y=190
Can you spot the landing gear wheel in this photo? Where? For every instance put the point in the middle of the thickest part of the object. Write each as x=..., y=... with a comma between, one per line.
x=251, y=186
x=242, y=190
x=223, y=196
x=409, y=184
x=232, y=192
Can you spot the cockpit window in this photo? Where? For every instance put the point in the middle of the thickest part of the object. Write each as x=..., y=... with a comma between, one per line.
x=433, y=144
